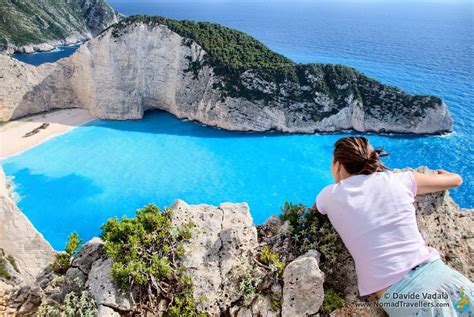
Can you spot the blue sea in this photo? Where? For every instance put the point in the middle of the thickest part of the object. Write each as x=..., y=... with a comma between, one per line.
x=76, y=181
x=39, y=58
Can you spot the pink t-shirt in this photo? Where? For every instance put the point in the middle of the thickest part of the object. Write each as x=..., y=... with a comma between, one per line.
x=375, y=217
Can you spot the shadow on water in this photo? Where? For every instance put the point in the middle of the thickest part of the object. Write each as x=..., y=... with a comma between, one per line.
x=169, y=124
x=66, y=199
x=162, y=122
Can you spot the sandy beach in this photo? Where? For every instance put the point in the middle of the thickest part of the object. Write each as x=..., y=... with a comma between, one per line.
x=12, y=140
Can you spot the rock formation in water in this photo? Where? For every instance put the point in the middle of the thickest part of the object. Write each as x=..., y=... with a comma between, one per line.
x=224, y=259
x=36, y=25
x=214, y=75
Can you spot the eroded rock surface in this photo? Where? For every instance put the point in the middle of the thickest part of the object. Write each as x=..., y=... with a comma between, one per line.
x=303, y=291
x=19, y=239
x=223, y=244
x=17, y=81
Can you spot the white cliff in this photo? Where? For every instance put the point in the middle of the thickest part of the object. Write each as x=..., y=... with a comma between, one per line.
x=138, y=66
x=19, y=239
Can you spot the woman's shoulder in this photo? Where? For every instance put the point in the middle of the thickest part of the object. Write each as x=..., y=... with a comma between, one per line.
x=322, y=197
x=399, y=179
x=328, y=189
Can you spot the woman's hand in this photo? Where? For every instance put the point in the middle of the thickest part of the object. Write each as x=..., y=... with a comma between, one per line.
x=430, y=183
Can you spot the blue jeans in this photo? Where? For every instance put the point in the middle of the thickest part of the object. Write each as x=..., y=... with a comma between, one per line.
x=431, y=289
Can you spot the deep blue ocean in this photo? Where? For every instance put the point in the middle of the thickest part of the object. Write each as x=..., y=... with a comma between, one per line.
x=106, y=168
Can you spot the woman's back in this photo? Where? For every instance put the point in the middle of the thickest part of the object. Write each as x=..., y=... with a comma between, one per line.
x=375, y=216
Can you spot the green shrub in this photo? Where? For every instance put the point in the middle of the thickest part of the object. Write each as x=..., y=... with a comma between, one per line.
x=312, y=230
x=276, y=301
x=3, y=269
x=248, y=286
x=3, y=265
x=73, y=243
x=146, y=251
x=70, y=299
x=11, y=259
x=272, y=259
x=62, y=261
x=332, y=301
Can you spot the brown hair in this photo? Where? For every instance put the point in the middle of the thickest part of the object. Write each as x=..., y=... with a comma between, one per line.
x=358, y=157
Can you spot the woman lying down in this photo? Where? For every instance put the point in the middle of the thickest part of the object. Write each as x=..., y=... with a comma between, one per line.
x=373, y=211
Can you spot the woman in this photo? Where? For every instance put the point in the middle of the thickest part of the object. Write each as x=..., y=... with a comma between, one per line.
x=372, y=210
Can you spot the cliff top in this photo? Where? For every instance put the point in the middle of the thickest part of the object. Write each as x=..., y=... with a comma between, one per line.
x=233, y=53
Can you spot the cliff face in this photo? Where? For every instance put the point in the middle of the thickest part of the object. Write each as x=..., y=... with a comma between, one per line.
x=37, y=25
x=142, y=64
x=224, y=260
x=17, y=81
x=31, y=253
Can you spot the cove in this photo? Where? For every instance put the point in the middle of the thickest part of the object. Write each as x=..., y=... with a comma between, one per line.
x=52, y=56
x=76, y=181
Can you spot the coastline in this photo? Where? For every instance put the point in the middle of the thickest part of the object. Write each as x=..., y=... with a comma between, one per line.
x=60, y=121
x=44, y=47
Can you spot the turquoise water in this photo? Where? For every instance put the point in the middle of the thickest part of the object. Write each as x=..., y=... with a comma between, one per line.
x=77, y=180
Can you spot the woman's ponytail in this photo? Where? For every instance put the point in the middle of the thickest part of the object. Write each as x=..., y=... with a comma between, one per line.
x=358, y=157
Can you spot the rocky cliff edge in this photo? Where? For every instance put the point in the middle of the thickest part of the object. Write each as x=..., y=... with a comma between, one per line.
x=224, y=259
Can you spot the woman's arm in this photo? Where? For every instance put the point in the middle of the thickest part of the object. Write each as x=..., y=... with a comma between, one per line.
x=430, y=183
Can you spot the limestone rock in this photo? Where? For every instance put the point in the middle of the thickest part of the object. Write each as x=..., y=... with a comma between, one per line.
x=102, y=288
x=17, y=81
x=262, y=306
x=448, y=228
x=104, y=311
x=87, y=255
x=244, y=312
x=18, y=237
x=11, y=275
x=303, y=291
x=274, y=226
x=74, y=273
x=222, y=245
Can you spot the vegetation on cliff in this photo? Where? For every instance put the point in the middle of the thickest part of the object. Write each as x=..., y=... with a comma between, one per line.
x=26, y=22
x=147, y=250
x=230, y=51
x=62, y=260
x=72, y=299
x=310, y=230
x=7, y=266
